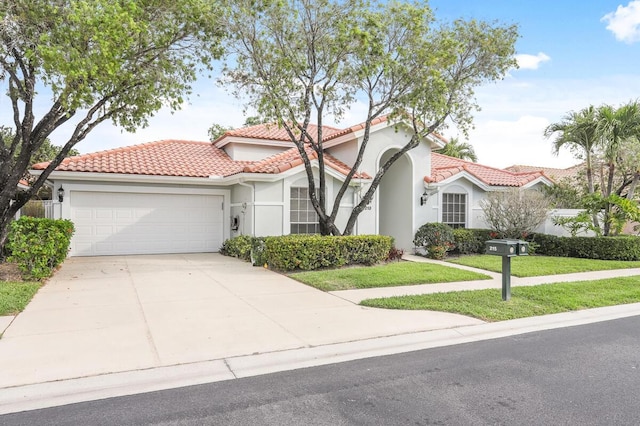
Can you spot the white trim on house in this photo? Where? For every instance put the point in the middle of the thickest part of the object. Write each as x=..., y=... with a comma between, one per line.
x=124, y=178
x=483, y=185
x=253, y=141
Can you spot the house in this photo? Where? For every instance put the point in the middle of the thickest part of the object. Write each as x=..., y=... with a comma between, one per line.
x=176, y=196
x=569, y=174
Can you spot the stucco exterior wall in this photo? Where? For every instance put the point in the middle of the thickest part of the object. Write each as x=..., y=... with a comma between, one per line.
x=242, y=209
x=251, y=152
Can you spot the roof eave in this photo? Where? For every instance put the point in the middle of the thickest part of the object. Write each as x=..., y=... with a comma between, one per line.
x=123, y=177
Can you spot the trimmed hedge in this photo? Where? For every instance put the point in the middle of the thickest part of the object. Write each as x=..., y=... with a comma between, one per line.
x=308, y=252
x=39, y=245
x=239, y=247
x=605, y=248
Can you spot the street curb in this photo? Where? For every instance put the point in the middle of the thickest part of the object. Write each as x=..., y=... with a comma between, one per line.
x=50, y=394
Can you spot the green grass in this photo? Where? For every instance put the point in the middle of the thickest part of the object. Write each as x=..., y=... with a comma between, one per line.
x=389, y=275
x=535, y=266
x=544, y=299
x=14, y=296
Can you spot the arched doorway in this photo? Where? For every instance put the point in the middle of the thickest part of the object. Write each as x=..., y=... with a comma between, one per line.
x=395, y=203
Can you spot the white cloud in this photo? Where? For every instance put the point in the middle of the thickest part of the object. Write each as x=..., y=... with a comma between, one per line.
x=503, y=143
x=509, y=129
x=531, y=62
x=624, y=23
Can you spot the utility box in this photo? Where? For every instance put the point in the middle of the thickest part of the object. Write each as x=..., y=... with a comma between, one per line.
x=507, y=247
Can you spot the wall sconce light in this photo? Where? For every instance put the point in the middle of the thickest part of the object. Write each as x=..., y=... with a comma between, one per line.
x=428, y=192
x=61, y=194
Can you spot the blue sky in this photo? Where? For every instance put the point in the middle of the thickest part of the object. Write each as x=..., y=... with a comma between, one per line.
x=571, y=53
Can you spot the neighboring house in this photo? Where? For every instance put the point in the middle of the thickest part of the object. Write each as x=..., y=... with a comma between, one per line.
x=182, y=196
x=570, y=173
x=460, y=185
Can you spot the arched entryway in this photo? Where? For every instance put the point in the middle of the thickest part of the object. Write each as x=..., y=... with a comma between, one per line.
x=395, y=204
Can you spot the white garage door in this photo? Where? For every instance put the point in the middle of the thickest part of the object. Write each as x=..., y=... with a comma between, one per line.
x=110, y=223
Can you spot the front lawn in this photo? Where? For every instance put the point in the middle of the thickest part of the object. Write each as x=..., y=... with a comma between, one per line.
x=544, y=299
x=389, y=275
x=535, y=266
x=14, y=296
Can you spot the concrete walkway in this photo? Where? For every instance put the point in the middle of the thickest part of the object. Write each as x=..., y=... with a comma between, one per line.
x=110, y=326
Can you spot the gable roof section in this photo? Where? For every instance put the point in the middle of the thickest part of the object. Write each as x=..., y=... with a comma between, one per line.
x=272, y=132
x=444, y=167
x=269, y=132
x=290, y=158
x=160, y=158
x=185, y=159
x=551, y=172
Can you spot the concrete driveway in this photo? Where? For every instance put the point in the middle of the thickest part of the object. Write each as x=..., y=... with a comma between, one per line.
x=111, y=314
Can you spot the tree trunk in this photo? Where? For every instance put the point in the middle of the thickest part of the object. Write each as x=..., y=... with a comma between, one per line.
x=632, y=187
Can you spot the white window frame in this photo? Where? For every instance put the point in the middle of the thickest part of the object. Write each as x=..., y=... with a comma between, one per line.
x=303, y=218
x=449, y=217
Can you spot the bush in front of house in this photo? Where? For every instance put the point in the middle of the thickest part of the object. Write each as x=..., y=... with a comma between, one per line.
x=436, y=238
x=514, y=213
x=470, y=240
x=38, y=245
x=307, y=252
x=606, y=248
x=239, y=247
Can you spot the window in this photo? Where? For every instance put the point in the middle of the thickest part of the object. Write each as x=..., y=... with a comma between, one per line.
x=454, y=210
x=303, y=217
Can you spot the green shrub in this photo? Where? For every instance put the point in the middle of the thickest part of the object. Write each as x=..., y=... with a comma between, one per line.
x=257, y=252
x=606, y=248
x=38, y=245
x=308, y=252
x=470, y=241
x=366, y=249
x=437, y=238
x=239, y=247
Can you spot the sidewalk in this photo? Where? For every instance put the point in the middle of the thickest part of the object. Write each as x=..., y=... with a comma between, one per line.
x=122, y=325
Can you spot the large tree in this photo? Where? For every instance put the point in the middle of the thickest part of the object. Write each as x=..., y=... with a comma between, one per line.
x=78, y=63
x=302, y=61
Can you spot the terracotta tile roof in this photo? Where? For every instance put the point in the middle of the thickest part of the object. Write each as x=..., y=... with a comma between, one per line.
x=272, y=131
x=291, y=158
x=185, y=159
x=355, y=128
x=551, y=172
x=443, y=167
x=160, y=158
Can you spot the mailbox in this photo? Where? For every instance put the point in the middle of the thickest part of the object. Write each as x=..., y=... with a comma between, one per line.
x=507, y=247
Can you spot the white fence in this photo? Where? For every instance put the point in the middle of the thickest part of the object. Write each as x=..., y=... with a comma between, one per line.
x=37, y=208
x=550, y=228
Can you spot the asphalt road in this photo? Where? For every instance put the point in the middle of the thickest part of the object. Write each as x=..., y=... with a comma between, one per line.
x=585, y=375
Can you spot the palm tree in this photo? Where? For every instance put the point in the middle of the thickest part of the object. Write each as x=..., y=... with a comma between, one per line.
x=577, y=131
x=457, y=149
x=617, y=126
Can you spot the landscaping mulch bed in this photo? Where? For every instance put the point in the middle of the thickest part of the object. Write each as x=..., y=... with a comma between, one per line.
x=10, y=272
